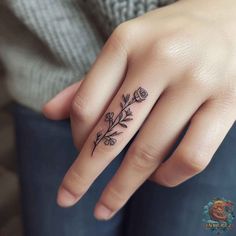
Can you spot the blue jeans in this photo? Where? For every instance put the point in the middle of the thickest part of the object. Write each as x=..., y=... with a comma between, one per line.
x=45, y=152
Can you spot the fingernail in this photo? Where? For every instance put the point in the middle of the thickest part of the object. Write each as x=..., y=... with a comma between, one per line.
x=65, y=198
x=102, y=212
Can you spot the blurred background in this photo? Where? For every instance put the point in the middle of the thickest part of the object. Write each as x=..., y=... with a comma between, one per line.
x=10, y=220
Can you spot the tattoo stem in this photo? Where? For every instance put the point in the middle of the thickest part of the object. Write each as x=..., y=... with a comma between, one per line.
x=112, y=126
x=125, y=114
x=119, y=115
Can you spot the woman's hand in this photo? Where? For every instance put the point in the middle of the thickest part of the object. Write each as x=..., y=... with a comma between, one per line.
x=172, y=68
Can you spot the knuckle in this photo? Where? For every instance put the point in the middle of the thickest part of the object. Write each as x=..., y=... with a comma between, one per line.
x=75, y=183
x=168, y=48
x=199, y=80
x=124, y=31
x=124, y=34
x=231, y=95
x=114, y=199
x=193, y=161
x=143, y=156
x=79, y=110
x=226, y=100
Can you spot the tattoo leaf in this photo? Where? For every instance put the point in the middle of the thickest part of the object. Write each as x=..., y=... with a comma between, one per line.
x=99, y=134
x=115, y=133
x=120, y=116
x=121, y=105
x=127, y=119
x=128, y=112
x=123, y=125
x=126, y=98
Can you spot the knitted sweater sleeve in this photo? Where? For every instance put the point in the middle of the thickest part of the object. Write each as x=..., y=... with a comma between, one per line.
x=46, y=45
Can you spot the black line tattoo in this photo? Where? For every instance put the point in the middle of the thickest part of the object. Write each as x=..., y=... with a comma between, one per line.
x=124, y=116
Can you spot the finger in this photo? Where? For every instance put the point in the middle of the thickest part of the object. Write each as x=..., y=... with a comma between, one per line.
x=207, y=130
x=99, y=151
x=151, y=146
x=58, y=108
x=99, y=86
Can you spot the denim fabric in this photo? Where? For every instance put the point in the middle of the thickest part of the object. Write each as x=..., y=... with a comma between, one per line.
x=45, y=152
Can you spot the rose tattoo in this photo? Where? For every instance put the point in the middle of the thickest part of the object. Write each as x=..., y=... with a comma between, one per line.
x=124, y=116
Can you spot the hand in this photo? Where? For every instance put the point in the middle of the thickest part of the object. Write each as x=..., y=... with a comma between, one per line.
x=172, y=68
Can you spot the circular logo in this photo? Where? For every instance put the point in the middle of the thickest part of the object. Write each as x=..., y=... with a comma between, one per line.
x=219, y=215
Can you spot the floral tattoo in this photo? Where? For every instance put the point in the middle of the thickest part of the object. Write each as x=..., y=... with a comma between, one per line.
x=121, y=119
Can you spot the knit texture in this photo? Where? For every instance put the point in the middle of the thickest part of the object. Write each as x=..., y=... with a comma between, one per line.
x=47, y=45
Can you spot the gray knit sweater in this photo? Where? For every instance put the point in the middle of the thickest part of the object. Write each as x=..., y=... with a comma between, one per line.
x=45, y=45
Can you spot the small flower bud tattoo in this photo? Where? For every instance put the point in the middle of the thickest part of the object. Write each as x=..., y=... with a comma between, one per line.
x=121, y=119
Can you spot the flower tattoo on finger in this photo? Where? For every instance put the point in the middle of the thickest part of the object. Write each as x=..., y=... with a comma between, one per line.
x=125, y=115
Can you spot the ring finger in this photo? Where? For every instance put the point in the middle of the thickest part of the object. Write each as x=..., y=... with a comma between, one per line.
x=151, y=146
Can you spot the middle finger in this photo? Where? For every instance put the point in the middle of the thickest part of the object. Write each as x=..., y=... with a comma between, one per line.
x=122, y=119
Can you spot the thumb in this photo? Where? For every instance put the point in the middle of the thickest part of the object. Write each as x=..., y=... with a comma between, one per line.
x=58, y=108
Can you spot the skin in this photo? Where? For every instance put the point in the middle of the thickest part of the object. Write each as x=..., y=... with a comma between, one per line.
x=184, y=55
